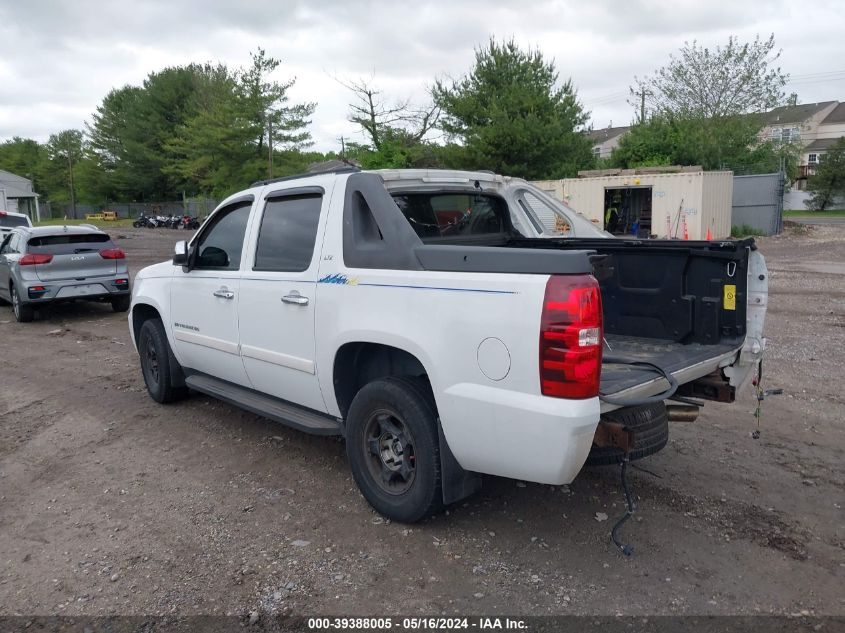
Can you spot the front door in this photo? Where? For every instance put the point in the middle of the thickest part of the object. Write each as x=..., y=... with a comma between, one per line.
x=204, y=299
x=278, y=289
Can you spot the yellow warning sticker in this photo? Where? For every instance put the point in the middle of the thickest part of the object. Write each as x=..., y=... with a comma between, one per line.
x=730, y=297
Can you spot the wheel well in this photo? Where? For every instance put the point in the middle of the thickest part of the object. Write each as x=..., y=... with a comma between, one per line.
x=357, y=364
x=140, y=313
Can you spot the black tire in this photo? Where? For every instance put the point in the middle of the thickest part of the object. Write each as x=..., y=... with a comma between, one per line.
x=155, y=354
x=403, y=485
x=136, y=224
x=651, y=432
x=121, y=304
x=23, y=313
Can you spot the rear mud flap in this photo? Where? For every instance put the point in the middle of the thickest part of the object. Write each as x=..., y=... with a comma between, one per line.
x=456, y=482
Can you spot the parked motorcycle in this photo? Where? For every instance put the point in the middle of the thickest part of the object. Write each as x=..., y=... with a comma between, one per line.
x=143, y=220
x=189, y=222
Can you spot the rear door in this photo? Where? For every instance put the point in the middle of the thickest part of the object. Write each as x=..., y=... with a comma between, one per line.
x=204, y=297
x=75, y=256
x=278, y=291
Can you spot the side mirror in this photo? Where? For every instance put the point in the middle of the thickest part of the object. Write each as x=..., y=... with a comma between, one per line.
x=180, y=254
x=213, y=257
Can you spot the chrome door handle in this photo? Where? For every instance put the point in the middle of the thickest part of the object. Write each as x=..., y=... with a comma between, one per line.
x=295, y=298
x=224, y=294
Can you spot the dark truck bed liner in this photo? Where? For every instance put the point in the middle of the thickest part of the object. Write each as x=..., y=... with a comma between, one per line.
x=664, y=303
x=669, y=355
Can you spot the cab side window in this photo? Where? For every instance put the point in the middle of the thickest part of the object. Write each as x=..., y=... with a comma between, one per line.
x=288, y=233
x=4, y=246
x=221, y=244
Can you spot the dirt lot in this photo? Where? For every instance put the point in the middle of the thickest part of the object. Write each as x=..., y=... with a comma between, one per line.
x=112, y=504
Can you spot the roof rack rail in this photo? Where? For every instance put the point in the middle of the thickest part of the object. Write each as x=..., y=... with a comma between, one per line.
x=338, y=170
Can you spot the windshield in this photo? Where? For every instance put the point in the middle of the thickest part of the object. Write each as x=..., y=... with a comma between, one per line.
x=10, y=221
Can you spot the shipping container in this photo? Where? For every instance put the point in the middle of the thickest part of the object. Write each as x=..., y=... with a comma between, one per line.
x=676, y=205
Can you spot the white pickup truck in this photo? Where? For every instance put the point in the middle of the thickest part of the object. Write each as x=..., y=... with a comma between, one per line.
x=435, y=321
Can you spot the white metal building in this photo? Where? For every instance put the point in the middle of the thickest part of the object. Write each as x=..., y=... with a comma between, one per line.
x=652, y=204
x=17, y=196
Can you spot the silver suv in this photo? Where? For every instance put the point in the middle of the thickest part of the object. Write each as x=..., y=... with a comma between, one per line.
x=53, y=264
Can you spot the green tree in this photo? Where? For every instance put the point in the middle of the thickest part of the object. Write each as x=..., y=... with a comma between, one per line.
x=211, y=151
x=705, y=109
x=699, y=83
x=65, y=150
x=510, y=114
x=828, y=183
x=23, y=157
x=266, y=107
x=116, y=141
x=726, y=143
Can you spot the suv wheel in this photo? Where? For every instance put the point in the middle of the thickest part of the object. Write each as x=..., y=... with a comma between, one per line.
x=23, y=312
x=121, y=304
x=155, y=363
x=393, y=448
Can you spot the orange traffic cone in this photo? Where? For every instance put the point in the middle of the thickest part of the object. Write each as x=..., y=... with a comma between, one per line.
x=709, y=234
x=686, y=233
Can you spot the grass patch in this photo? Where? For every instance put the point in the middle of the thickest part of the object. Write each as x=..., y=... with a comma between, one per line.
x=102, y=224
x=830, y=213
x=744, y=231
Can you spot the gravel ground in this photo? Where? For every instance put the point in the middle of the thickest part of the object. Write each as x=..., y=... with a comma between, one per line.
x=112, y=504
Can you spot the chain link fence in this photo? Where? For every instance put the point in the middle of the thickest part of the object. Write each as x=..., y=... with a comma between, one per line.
x=199, y=207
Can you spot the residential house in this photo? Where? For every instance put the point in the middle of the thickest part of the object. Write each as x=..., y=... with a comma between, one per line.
x=17, y=196
x=814, y=126
x=606, y=140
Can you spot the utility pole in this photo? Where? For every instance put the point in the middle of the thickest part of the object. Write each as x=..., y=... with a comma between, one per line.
x=342, y=148
x=70, y=177
x=270, y=147
x=642, y=94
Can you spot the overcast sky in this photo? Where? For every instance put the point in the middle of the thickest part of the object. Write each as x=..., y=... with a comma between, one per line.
x=58, y=59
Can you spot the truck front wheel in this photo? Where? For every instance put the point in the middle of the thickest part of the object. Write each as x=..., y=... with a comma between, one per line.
x=393, y=449
x=155, y=362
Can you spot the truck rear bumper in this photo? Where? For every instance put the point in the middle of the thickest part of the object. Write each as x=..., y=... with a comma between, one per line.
x=518, y=435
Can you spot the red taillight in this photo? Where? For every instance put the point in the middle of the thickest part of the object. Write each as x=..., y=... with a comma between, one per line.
x=571, y=337
x=31, y=259
x=112, y=253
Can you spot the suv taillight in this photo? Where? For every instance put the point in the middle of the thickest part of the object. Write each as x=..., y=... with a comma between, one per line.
x=31, y=259
x=112, y=253
x=571, y=337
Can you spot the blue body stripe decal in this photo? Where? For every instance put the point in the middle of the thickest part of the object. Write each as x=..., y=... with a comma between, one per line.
x=496, y=292
x=343, y=280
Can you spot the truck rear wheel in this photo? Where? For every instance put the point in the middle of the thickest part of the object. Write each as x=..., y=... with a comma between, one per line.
x=155, y=363
x=651, y=432
x=393, y=448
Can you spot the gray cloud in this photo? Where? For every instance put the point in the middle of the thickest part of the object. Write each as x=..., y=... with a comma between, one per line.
x=61, y=57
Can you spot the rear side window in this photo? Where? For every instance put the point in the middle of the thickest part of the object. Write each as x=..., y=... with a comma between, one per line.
x=10, y=221
x=288, y=233
x=69, y=243
x=553, y=221
x=453, y=215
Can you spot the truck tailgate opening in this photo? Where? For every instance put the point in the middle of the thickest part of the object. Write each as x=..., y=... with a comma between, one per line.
x=671, y=356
